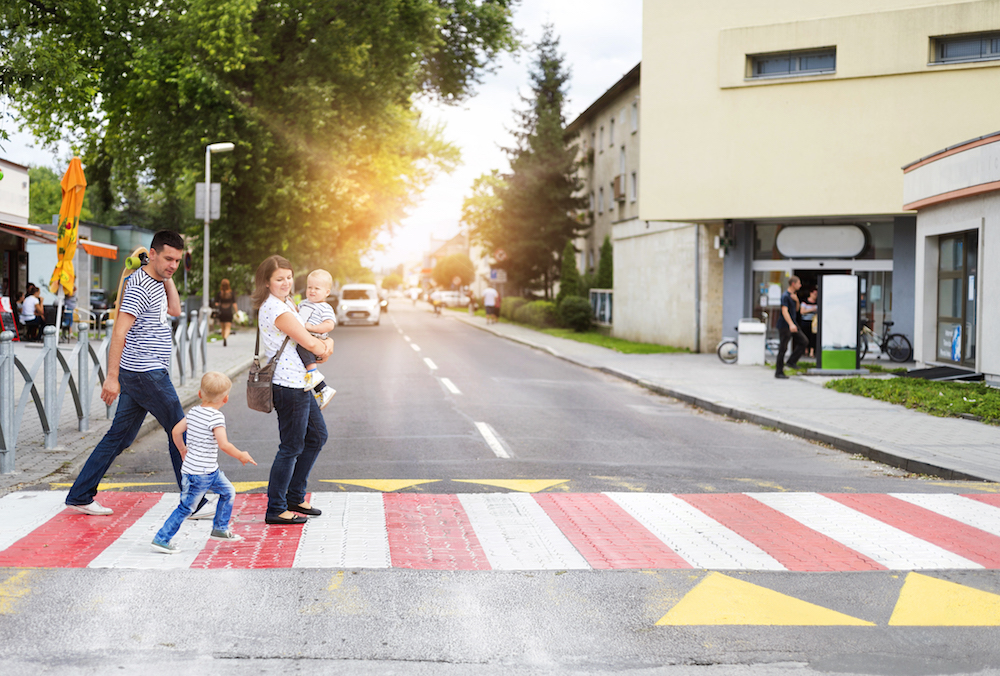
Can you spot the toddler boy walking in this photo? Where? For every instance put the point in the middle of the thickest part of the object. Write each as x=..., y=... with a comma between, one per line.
x=206, y=434
x=319, y=319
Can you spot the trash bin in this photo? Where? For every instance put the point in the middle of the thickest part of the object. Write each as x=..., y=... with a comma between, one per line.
x=752, y=338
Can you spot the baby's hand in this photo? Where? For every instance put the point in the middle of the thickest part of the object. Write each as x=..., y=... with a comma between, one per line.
x=245, y=458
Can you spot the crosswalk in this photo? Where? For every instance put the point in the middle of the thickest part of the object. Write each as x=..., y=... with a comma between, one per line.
x=517, y=531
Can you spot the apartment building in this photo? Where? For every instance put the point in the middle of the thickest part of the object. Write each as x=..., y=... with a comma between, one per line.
x=780, y=130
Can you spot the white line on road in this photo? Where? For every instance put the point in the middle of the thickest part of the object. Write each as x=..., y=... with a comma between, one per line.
x=492, y=440
x=431, y=365
x=416, y=348
x=451, y=386
x=406, y=338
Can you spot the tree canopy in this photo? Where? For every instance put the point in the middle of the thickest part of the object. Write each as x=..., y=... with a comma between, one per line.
x=569, y=276
x=317, y=95
x=456, y=265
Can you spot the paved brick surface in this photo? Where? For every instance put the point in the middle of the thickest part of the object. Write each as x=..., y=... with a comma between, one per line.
x=915, y=441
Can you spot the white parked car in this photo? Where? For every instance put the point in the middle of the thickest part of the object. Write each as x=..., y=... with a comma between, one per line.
x=359, y=304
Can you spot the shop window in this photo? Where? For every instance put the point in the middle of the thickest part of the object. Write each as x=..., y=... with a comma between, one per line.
x=958, y=260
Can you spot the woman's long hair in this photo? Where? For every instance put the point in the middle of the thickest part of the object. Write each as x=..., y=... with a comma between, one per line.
x=224, y=287
x=263, y=276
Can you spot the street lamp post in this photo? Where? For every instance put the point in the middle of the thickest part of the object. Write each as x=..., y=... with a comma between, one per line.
x=209, y=149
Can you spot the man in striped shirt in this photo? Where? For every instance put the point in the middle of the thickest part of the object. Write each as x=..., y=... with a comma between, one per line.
x=138, y=368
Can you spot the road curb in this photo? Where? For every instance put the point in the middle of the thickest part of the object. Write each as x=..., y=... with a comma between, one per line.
x=868, y=450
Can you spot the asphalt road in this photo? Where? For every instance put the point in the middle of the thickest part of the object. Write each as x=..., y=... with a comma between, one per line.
x=425, y=398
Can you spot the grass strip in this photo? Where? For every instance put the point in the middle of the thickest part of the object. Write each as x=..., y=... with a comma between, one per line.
x=951, y=399
x=616, y=344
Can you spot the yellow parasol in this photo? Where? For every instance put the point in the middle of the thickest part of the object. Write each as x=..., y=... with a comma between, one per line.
x=73, y=187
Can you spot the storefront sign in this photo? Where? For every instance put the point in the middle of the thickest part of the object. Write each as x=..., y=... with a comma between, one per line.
x=821, y=241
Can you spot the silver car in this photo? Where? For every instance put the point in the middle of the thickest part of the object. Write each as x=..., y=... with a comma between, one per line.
x=359, y=304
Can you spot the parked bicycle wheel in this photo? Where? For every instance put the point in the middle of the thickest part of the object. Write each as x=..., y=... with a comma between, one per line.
x=898, y=347
x=728, y=351
x=863, y=345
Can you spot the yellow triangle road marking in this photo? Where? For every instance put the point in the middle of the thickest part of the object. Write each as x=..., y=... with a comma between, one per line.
x=115, y=486
x=382, y=485
x=720, y=599
x=929, y=602
x=244, y=486
x=523, y=485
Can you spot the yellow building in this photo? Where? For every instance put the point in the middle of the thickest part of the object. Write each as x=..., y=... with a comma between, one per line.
x=794, y=116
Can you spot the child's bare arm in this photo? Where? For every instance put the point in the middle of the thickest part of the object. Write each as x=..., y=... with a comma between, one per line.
x=178, y=434
x=226, y=447
x=323, y=327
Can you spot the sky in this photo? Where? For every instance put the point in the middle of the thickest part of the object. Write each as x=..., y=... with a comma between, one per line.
x=601, y=42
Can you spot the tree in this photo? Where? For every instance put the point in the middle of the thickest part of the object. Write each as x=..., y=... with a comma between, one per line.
x=605, y=267
x=456, y=265
x=317, y=95
x=569, y=277
x=391, y=281
x=536, y=200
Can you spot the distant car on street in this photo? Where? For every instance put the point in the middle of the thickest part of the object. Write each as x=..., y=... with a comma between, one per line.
x=454, y=298
x=359, y=304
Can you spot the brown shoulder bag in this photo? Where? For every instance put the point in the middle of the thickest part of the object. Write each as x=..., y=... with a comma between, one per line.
x=259, y=396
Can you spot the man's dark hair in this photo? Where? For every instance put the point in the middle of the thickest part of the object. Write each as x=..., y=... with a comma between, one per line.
x=167, y=238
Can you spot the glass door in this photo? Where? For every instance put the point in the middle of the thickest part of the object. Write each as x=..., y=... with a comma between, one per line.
x=957, y=277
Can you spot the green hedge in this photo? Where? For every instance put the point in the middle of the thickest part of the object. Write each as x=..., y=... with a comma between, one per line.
x=540, y=313
x=508, y=306
x=575, y=313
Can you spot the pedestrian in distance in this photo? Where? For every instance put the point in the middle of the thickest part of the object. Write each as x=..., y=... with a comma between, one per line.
x=491, y=301
x=301, y=428
x=139, y=371
x=319, y=319
x=808, y=309
x=33, y=313
x=206, y=436
x=225, y=303
x=788, y=328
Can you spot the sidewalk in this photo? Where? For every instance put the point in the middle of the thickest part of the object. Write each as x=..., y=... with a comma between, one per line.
x=950, y=448
x=34, y=464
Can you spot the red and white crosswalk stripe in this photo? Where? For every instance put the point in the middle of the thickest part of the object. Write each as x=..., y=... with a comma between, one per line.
x=520, y=531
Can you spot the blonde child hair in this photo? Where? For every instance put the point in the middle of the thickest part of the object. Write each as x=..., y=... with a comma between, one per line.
x=321, y=276
x=215, y=386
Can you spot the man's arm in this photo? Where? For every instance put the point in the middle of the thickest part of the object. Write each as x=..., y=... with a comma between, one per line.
x=788, y=319
x=173, y=298
x=111, y=389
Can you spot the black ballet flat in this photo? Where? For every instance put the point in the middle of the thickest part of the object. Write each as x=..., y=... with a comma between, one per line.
x=310, y=511
x=280, y=521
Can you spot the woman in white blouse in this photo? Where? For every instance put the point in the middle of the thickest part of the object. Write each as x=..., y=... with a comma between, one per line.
x=301, y=428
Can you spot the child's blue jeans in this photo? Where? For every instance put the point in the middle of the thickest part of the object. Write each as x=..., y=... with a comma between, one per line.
x=193, y=489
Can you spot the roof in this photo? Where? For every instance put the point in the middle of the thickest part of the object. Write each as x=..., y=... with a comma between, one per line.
x=630, y=79
x=949, y=150
x=14, y=164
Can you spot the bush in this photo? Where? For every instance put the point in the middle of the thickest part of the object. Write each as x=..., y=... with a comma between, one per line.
x=540, y=313
x=575, y=313
x=508, y=306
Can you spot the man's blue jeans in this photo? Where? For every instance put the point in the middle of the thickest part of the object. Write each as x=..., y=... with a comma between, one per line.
x=149, y=391
x=301, y=433
x=193, y=489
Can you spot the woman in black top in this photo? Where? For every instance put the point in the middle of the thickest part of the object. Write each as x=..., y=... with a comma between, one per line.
x=225, y=303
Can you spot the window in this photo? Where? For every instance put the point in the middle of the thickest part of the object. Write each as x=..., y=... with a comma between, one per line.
x=600, y=139
x=635, y=116
x=621, y=161
x=591, y=200
x=791, y=64
x=611, y=131
x=600, y=200
x=981, y=47
x=635, y=188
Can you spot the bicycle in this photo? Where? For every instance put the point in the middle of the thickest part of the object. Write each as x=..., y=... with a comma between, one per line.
x=896, y=345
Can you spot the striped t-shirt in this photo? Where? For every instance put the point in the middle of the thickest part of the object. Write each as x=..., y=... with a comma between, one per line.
x=202, y=448
x=148, y=342
x=316, y=313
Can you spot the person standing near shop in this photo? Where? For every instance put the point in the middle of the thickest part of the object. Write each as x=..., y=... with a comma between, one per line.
x=138, y=370
x=788, y=328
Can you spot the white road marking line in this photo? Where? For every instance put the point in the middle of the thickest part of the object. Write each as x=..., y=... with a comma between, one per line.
x=693, y=535
x=517, y=534
x=970, y=512
x=406, y=338
x=24, y=512
x=451, y=386
x=892, y=547
x=416, y=348
x=431, y=365
x=132, y=548
x=492, y=440
x=351, y=533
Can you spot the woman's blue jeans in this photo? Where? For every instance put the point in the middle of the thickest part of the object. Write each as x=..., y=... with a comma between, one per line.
x=193, y=489
x=142, y=392
x=301, y=433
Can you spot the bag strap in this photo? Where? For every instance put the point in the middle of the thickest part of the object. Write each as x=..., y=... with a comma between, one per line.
x=256, y=349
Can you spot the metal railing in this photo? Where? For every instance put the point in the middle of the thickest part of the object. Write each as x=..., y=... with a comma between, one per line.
x=601, y=301
x=52, y=372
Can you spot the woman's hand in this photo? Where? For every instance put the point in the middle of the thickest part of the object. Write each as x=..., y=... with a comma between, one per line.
x=328, y=350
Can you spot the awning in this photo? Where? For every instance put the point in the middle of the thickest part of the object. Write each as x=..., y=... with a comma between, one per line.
x=99, y=249
x=32, y=232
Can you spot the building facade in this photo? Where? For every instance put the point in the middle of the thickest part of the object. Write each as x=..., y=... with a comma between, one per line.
x=14, y=210
x=780, y=131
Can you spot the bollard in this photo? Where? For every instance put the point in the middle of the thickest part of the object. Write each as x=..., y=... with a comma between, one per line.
x=6, y=402
x=83, y=374
x=50, y=378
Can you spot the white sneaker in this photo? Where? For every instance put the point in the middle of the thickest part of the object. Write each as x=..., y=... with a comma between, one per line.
x=313, y=378
x=206, y=512
x=93, y=509
x=169, y=548
x=324, y=396
x=225, y=536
